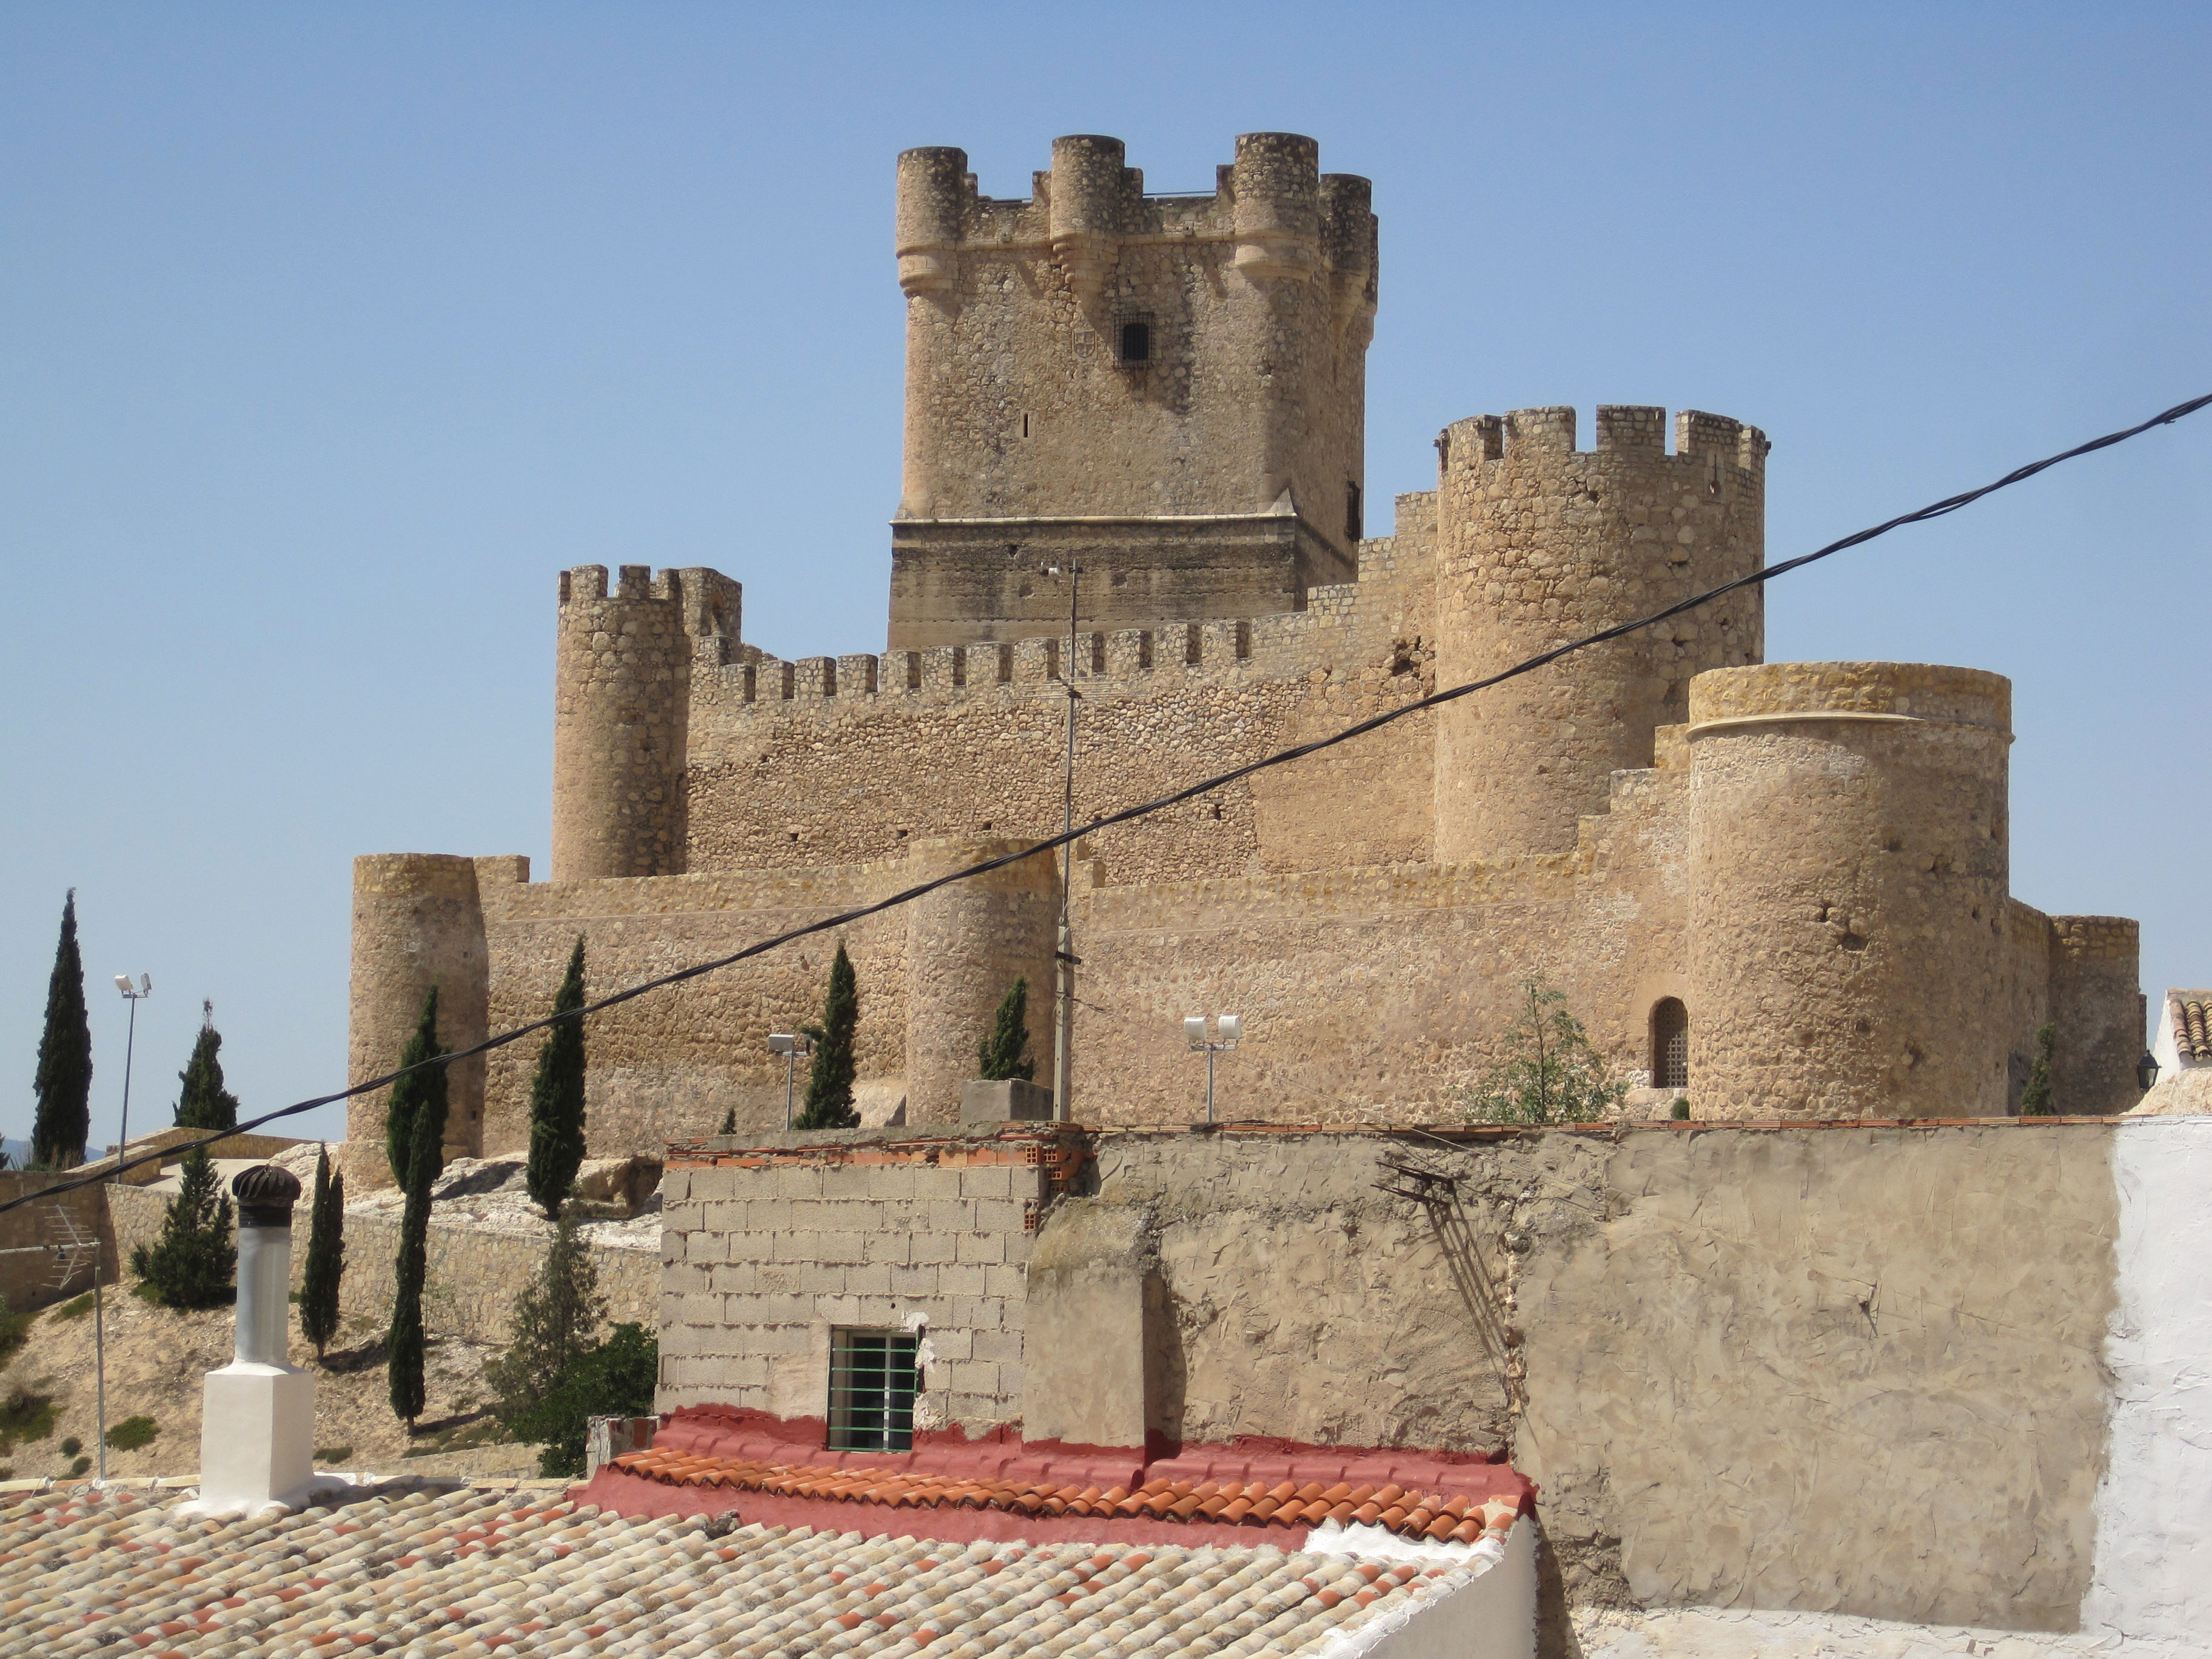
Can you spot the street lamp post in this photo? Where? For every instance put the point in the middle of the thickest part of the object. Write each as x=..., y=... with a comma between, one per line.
x=790, y=1045
x=134, y=995
x=1228, y=1030
x=1064, y=960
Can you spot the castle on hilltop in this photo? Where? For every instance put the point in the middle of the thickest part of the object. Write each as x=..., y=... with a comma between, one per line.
x=1779, y=887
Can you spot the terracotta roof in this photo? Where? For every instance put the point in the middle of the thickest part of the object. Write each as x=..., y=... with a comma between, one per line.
x=2193, y=1023
x=479, y=1573
x=1440, y=1517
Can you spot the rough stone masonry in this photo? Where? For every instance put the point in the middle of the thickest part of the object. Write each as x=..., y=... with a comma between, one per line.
x=1781, y=889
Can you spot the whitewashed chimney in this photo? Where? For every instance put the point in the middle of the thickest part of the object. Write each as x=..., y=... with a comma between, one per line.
x=258, y=1430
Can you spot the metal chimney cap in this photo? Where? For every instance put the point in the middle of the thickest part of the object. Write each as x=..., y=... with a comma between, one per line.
x=266, y=1194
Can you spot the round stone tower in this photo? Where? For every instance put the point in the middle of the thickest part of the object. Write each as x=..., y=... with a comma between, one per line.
x=1539, y=542
x=966, y=944
x=1848, y=882
x=622, y=693
x=417, y=921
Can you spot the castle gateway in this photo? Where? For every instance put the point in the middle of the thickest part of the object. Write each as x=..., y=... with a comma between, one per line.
x=1134, y=464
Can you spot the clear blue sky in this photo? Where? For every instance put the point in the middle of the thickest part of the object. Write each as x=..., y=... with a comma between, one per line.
x=332, y=332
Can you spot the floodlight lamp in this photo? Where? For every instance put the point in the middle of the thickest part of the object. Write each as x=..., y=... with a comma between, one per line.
x=145, y=984
x=123, y=984
x=1229, y=1027
x=1193, y=1030
x=782, y=1043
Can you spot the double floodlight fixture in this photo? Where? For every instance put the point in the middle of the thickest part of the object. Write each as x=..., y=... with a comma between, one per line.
x=1228, y=1030
x=144, y=987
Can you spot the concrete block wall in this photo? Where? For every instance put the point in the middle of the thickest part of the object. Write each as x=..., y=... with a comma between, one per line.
x=773, y=1241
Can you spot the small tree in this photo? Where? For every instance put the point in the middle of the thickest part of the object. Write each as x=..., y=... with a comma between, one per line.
x=551, y=1324
x=205, y=1103
x=1548, y=1073
x=415, y=1134
x=829, y=1080
x=326, y=1265
x=190, y=1264
x=1005, y=1052
x=2035, y=1099
x=64, y=1119
x=557, y=1097
x=613, y=1378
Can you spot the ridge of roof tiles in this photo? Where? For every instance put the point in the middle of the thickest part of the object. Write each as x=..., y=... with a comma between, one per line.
x=1438, y=1518
x=2192, y=1025
x=477, y=1573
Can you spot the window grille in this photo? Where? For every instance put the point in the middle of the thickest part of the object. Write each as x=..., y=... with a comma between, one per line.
x=1136, y=342
x=872, y=1383
x=1670, y=1045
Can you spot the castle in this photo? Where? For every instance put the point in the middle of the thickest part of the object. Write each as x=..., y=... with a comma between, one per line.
x=1134, y=466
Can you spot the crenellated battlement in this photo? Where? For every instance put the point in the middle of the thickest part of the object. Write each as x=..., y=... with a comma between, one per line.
x=1623, y=430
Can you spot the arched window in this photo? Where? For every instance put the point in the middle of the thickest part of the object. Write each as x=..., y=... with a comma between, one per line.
x=1670, y=1044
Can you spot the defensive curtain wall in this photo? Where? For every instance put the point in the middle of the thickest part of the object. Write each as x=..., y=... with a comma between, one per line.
x=1909, y=1372
x=1811, y=859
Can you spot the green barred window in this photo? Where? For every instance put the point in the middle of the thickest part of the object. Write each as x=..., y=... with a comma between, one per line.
x=872, y=1382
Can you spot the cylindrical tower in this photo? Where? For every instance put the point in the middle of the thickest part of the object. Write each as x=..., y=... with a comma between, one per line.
x=2097, y=1006
x=416, y=922
x=622, y=693
x=1848, y=883
x=1277, y=181
x=934, y=189
x=1087, y=172
x=966, y=944
x=1539, y=542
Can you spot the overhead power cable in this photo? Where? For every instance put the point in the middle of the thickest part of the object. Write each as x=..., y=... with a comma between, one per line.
x=1128, y=814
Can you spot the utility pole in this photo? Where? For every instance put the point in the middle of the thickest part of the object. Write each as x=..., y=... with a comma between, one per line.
x=1064, y=958
x=134, y=995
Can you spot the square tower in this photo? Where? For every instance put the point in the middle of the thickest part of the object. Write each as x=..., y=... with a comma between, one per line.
x=1169, y=390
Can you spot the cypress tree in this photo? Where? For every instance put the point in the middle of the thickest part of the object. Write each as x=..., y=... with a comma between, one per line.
x=829, y=1079
x=190, y=1264
x=556, y=1098
x=64, y=1081
x=415, y=1133
x=1005, y=1052
x=326, y=1264
x=551, y=1324
x=205, y=1103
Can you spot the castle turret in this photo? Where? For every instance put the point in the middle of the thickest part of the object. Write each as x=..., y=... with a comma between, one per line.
x=2096, y=1009
x=417, y=921
x=1848, y=888
x=966, y=944
x=622, y=690
x=1168, y=392
x=1539, y=542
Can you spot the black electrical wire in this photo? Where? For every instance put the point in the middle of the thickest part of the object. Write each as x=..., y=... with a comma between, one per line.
x=1205, y=785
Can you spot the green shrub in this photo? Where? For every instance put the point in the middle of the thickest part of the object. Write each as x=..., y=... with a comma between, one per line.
x=76, y=1308
x=327, y=1454
x=14, y=1328
x=26, y=1416
x=133, y=1432
x=72, y=1446
x=614, y=1379
x=1547, y=1071
x=2035, y=1099
x=1681, y=1112
x=1005, y=1050
x=550, y=1326
x=79, y=1466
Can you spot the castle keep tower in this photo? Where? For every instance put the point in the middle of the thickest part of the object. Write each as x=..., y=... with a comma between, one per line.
x=1539, y=542
x=1168, y=390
